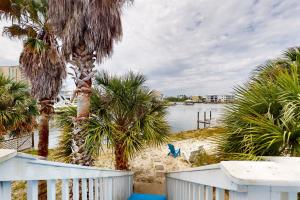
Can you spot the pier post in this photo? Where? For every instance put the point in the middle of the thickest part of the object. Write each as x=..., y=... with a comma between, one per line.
x=198, y=115
x=204, y=119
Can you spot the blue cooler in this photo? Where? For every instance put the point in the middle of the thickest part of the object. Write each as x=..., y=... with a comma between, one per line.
x=147, y=197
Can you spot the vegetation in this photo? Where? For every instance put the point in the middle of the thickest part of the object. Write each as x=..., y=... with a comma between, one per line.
x=125, y=114
x=88, y=32
x=197, y=134
x=40, y=59
x=177, y=99
x=264, y=121
x=17, y=109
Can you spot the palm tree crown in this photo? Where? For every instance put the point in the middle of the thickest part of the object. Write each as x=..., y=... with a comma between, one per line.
x=125, y=113
x=40, y=60
x=264, y=121
x=17, y=109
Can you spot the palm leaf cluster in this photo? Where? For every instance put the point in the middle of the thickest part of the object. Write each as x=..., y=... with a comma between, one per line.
x=94, y=24
x=124, y=113
x=17, y=109
x=265, y=119
x=40, y=59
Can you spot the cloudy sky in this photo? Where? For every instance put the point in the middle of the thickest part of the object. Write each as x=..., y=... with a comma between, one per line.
x=196, y=46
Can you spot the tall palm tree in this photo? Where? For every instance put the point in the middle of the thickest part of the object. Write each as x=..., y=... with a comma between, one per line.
x=17, y=109
x=264, y=121
x=40, y=59
x=88, y=30
x=124, y=114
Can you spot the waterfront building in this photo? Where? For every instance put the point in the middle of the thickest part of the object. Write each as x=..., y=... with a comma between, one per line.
x=196, y=99
x=13, y=72
x=219, y=98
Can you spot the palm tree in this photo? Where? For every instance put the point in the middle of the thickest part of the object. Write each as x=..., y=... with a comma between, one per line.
x=17, y=109
x=40, y=60
x=125, y=114
x=88, y=30
x=264, y=120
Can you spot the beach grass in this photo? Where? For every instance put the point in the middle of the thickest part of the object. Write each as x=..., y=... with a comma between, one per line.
x=196, y=134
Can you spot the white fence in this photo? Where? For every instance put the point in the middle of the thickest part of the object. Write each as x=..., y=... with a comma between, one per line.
x=273, y=179
x=96, y=184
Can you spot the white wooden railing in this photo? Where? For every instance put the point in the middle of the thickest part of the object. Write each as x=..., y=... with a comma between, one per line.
x=95, y=183
x=276, y=178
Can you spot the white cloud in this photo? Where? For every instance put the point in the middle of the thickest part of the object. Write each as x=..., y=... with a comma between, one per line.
x=203, y=46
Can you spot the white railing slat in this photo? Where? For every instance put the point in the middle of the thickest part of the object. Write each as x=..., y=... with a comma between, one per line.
x=51, y=191
x=75, y=189
x=91, y=189
x=65, y=189
x=220, y=194
x=208, y=193
x=96, y=189
x=292, y=196
x=107, y=189
x=84, y=189
x=237, y=195
x=5, y=190
x=32, y=190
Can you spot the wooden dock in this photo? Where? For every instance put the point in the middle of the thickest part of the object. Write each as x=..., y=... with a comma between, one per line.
x=205, y=121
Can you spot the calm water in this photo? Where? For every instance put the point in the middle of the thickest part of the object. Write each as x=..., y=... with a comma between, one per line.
x=184, y=117
x=181, y=117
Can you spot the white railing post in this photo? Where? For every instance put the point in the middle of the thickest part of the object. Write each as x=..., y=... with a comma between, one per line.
x=65, y=191
x=237, y=195
x=32, y=190
x=220, y=194
x=51, y=191
x=208, y=193
x=91, y=189
x=75, y=189
x=96, y=189
x=5, y=190
x=84, y=188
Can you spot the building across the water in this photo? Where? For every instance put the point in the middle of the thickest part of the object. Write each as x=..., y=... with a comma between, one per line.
x=13, y=72
x=219, y=98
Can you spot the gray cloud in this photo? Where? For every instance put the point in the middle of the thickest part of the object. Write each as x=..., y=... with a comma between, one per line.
x=199, y=47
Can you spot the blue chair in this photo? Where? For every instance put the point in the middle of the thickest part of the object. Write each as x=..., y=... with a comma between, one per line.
x=136, y=196
x=173, y=152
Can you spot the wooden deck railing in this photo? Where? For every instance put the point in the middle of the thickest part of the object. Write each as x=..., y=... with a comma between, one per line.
x=273, y=179
x=95, y=183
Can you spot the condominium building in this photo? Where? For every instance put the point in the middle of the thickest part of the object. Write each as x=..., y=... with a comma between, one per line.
x=12, y=72
x=219, y=98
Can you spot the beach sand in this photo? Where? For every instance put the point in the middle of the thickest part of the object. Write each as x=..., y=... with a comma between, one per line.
x=150, y=165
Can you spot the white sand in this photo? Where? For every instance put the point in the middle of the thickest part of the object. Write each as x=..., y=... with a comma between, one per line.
x=145, y=163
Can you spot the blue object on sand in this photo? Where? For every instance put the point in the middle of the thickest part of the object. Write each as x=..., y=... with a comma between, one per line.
x=136, y=196
x=173, y=152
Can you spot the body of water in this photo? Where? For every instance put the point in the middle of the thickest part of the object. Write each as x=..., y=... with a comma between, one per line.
x=184, y=117
x=180, y=117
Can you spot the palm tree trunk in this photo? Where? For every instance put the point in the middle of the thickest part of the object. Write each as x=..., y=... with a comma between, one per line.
x=121, y=158
x=45, y=111
x=43, y=135
x=84, y=62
